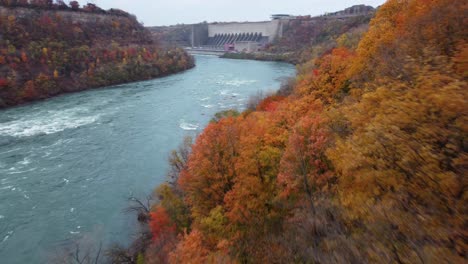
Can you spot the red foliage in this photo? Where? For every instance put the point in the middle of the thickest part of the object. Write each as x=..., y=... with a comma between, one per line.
x=303, y=166
x=3, y=82
x=29, y=91
x=270, y=103
x=45, y=21
x=160, y=224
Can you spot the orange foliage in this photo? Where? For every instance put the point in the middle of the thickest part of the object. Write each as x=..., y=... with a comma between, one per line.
x=160, y=223
x=329, y=79
x=29, y=91
x=163, y=236
x=270, y=103
x=210, y=175
x=3, y=82
x=24, y=57
x=190, y=249
x=36, y=38
x=304, y=169
x=364, y=162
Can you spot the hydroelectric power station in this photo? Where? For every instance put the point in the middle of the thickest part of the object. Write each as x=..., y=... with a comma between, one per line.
x=221, y=37
x=237, y=36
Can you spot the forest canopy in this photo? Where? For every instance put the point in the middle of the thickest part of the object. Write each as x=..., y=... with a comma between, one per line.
x=47, y=49
x=365, y=160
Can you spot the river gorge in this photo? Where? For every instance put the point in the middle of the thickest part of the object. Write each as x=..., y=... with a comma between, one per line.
x=68, y=164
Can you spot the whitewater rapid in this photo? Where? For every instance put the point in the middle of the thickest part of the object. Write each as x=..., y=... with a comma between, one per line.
x=68, y=164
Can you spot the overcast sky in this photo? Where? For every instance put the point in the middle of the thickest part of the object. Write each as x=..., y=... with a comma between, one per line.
x=170, y=12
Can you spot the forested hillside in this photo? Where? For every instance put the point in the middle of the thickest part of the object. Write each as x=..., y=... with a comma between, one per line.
x=306, y=38
x=48, y=48
x=177, y=35
x=363, y=160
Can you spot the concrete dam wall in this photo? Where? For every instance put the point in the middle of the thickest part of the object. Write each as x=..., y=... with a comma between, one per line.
x=270, y=29
x=236, y=36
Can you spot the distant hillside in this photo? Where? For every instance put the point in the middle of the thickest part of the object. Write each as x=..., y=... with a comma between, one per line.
x=46, y=50
x=300, y=35
x=306, y=31
x=307, y=37
x=177, y=35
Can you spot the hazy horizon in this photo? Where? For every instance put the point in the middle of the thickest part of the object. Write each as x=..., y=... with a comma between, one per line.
x=163, y=13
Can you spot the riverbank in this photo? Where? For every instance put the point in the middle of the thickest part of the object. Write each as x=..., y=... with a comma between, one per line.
x=45, y=52
x=131, y=69
x=107, y=77
x=364, y=148
x=69, y=163
x=263, y=56
x=204, y=52
x=288, y=57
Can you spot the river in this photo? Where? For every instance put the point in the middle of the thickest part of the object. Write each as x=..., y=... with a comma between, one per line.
x=68, y=164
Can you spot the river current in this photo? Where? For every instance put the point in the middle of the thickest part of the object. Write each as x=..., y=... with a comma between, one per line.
x=68, y=164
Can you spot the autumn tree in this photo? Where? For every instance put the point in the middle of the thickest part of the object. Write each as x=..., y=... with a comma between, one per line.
x=74, y=5
x=251, y=209
x=210, y=171
x=44, y=41
x=304, y=167
x=163, y=236
x=408, y=153
x=190, y=250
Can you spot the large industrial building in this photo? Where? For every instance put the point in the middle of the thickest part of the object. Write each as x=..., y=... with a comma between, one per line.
x=238, y=36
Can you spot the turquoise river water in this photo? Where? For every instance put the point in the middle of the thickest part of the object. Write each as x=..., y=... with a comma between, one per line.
x=68, y=164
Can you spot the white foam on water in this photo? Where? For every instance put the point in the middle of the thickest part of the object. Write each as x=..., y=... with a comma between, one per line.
x=14, y=170
x=49, y=122
x=1, y=216
x=237, y=82
x=207, y=106
x=57, y=143
x=205, y=99
x=25, y=162
x=74, y=233
x=66, y=181
x=187, y=126
x=11, y=150
x=224, y=92
x=6, y=188
x=7, y=236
